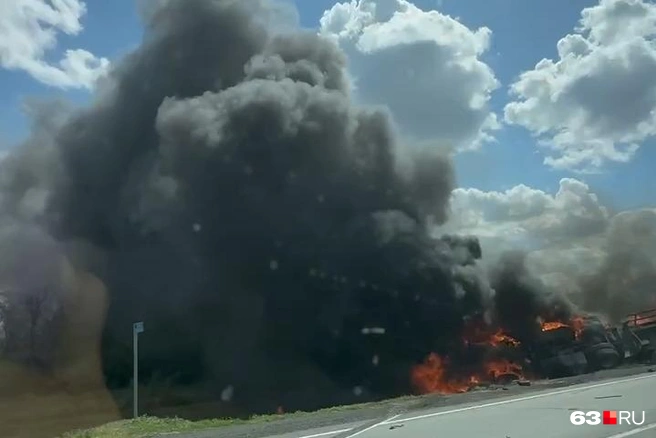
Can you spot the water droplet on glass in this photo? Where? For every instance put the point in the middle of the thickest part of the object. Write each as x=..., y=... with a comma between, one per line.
x=227, y=393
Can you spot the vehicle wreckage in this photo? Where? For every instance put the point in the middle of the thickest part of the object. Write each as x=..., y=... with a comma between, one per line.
x=566, y=350
x=584, y=344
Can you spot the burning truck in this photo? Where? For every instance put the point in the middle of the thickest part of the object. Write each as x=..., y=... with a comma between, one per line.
x=581, y=345
x=523, y=331
x=589, y=344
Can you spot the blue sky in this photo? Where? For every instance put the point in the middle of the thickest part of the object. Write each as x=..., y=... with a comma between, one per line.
x=522, y=33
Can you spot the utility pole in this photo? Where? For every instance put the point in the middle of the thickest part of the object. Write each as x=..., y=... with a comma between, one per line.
x=137, y=327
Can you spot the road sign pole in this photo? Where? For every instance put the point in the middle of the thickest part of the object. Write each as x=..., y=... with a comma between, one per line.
x=137, y=328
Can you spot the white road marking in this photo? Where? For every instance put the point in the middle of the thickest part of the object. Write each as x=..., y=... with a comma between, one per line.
x=380, y=423
x=634, y=431
x=519, y=399
x=332, y=432
x=393, y=419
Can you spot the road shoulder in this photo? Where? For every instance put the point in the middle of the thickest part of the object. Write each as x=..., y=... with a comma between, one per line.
x=406, y=405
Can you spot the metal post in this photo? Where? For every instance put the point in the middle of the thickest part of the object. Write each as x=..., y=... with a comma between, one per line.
x=137, y=328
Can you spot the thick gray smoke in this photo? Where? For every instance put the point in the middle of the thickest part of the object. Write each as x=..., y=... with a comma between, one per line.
x=626, y=279
x=255, y=219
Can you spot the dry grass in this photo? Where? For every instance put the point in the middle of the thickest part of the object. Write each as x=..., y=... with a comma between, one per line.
x=35, y=406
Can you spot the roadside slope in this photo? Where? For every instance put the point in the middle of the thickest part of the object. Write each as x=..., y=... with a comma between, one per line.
x=301, y=421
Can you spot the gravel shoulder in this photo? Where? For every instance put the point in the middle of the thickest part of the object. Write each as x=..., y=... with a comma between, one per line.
x=371, y=411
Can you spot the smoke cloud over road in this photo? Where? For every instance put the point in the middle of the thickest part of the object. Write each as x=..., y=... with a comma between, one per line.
x=225, y=190
x=625, y=280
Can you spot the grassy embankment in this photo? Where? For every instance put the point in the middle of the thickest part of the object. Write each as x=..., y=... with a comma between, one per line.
x=145, y=427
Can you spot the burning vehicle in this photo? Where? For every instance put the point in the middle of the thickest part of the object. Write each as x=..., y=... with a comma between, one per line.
x=581, y=345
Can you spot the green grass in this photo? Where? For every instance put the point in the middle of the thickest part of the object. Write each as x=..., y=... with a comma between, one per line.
x=144, y=427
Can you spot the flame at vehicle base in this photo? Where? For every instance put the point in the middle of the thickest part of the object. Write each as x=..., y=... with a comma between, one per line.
x=439, y=375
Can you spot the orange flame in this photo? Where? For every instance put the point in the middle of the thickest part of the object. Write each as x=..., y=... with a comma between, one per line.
x=500, y=338
x=478, y=334
x=432, y=375
x=502, y=367
x=577, y=323
x=552, y=325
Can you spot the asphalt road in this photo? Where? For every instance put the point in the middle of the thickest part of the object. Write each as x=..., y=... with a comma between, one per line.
x=340, y=422
x=544, y=414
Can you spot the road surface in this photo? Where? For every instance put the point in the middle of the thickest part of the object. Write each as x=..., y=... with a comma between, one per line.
x=539, y=415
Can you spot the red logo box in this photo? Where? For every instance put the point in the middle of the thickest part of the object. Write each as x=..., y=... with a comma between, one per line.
x=610, y=417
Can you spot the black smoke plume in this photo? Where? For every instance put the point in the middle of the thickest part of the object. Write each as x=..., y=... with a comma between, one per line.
x=273, y=236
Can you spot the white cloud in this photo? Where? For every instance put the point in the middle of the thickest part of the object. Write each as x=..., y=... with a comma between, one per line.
x=532, y=215
x=28, y=30
x=562, y=233
x=597, y=102
x=423, y=65
x=572, y=241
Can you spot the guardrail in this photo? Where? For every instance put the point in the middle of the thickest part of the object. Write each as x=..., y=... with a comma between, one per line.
x=641, y=319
